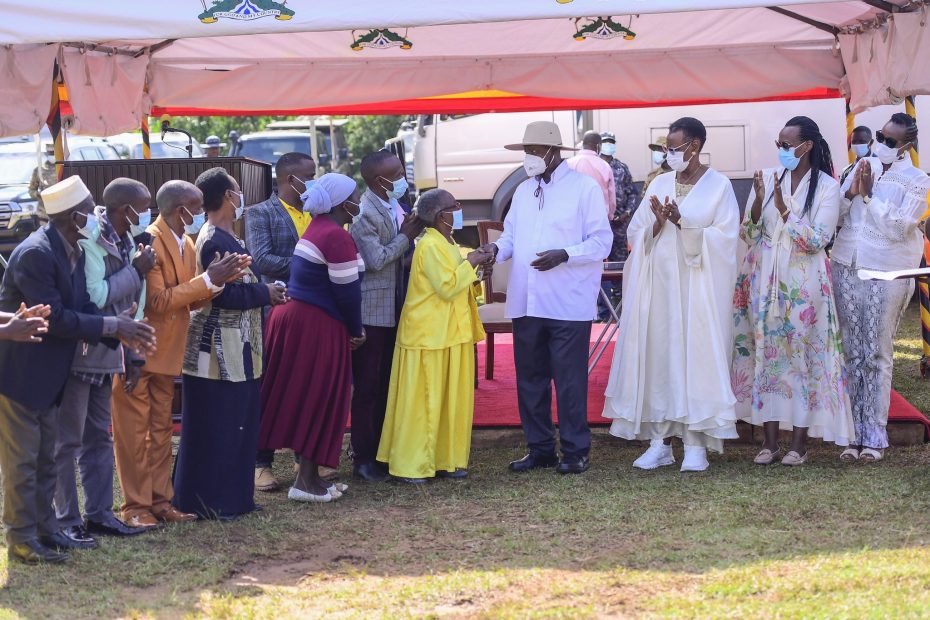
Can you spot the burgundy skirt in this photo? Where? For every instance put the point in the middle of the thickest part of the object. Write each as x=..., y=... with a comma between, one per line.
x=307, y=387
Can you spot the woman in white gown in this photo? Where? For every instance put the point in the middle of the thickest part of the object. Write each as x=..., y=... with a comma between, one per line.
x=788, y=368
x=671, y=368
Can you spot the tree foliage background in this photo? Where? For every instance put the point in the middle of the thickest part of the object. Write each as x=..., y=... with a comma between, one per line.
x=364, y=134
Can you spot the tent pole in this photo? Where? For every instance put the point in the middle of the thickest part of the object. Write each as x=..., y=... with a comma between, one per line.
x=146, y=142
x=923, y=284
x=807, y=20
x=850, y=125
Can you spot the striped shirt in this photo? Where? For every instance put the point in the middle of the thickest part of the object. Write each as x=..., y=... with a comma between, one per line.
x=327, y=272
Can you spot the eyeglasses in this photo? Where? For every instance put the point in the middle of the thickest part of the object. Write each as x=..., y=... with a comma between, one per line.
x=881, y=138
x=681, y=148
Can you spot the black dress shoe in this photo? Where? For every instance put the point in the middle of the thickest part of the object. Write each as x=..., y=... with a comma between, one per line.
x=573, y=465
x=112, y=527
x=458, y=474
x=34, y=552
x=370, y=472
x=74, y=537
x=535, y=461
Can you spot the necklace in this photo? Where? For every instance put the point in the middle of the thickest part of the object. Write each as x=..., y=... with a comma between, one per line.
x=690, y=177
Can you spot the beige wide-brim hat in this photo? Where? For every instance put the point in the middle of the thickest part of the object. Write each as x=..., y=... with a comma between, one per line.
x=541, y=133
x=660, y=144
x=64, y=195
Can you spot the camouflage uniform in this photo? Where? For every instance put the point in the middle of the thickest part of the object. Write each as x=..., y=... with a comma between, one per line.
x=43, y=176
x=627, y=201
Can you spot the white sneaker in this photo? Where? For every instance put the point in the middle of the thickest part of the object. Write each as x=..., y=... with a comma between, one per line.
x=695, y=459
x=302, y=496
x=658, y=455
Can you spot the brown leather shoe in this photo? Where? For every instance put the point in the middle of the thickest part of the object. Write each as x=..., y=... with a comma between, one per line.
x=173, y=515
x=141, y=520
x=265, y=480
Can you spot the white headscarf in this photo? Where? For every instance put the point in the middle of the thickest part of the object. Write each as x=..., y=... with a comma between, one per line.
x=330, y=190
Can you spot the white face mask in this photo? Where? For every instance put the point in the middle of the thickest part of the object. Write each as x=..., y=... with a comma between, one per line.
x=676, y=160
x=658, y=157
x=885, y=153
x=534, y=164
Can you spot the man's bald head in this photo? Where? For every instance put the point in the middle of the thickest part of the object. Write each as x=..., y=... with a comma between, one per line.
x=174, y=194
x=591, y=141
x=122, y=193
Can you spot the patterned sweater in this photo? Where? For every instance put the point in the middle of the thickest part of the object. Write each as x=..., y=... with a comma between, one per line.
x=224, y=340
x=327, y=272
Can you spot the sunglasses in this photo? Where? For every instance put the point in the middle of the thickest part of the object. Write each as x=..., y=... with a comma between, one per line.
x=881, y=138
x=787, y=145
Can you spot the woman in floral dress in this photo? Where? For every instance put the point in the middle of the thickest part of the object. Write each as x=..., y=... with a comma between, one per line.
x=788, y=369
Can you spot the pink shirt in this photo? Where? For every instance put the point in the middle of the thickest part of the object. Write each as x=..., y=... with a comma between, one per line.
x=590, y=163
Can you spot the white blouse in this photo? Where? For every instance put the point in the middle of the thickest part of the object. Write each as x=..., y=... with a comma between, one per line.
x=883, y=234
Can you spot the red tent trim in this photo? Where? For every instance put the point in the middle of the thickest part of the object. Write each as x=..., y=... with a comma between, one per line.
x=480, y=105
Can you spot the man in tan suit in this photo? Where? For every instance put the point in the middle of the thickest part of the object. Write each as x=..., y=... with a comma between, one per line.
x=142, y=425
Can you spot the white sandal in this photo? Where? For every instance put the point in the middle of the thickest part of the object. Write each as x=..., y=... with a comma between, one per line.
x=303, y=496
x=871, y=455
x=849, y=455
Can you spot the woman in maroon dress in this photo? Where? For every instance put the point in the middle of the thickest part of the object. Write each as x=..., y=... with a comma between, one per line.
x=307, y=389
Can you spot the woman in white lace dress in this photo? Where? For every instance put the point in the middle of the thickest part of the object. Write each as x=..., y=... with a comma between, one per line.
x=882, y=205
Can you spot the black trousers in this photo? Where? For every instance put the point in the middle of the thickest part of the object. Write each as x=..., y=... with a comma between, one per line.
x=547, y=351
x=371, y=379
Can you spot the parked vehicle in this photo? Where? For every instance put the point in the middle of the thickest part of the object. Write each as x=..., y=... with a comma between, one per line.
x=329, y=151
x=129, y=146
x=464, y=153
x=19, y=158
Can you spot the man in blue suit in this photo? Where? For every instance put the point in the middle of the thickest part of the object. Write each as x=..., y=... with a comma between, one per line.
x=48, y=268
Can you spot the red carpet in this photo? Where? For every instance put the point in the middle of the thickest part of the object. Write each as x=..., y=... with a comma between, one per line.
x=496, y=400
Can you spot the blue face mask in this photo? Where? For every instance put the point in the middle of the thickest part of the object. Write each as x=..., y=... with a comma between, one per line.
x=91, y=229
x=145, y=218
x=198, y=221
x=788, y=158
x=609, y=149
x=398, y=188
x=457, y=220
x=861, y=150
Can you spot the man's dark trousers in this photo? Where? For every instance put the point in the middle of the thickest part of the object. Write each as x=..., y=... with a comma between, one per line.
x=371, y=372
x=27, y=460
x=547, y=351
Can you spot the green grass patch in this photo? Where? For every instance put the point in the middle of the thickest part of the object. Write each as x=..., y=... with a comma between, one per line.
x=822, y=541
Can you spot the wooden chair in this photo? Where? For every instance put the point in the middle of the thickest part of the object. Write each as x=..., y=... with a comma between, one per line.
x=495, y=296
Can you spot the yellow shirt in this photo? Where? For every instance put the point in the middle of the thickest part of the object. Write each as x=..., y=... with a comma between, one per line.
x=440, y=309
x=301, y=218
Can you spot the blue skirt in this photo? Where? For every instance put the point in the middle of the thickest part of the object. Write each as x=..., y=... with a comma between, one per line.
x=215, y=471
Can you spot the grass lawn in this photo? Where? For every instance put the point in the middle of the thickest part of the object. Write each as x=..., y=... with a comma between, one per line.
x=739, y=541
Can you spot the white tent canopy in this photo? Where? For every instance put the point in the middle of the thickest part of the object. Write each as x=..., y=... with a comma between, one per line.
x=240, y=56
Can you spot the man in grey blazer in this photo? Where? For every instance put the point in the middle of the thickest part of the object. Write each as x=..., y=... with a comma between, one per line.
x=383, y=234
x=272, y=230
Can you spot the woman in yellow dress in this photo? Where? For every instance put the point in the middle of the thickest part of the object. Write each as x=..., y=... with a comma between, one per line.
x=427, y=427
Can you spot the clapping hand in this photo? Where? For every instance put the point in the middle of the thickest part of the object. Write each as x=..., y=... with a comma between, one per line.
x=227, y=268
x=137, y=335
x=658, y=210
x=758, y=184
x=865, y=180
x=144, y=260
x=779, y=197
x=672, y=213
x=27, y=325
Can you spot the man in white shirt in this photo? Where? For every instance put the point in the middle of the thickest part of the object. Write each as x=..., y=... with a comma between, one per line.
x=558, y=236
x=884, y=200
x=588, y=161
